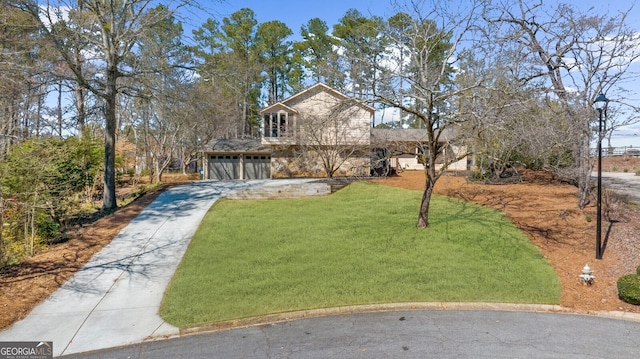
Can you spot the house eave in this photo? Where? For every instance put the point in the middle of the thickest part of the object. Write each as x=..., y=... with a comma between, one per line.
x=278, y=106
x=328, y=89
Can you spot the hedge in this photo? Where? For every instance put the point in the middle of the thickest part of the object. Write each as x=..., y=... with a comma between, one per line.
x=629, y=288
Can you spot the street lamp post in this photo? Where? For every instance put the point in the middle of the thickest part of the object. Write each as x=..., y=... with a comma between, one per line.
x=600, y=104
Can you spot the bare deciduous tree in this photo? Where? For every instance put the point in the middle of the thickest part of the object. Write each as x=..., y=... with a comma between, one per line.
x=111, y=29
x=430, y=44
x=337, y=135
x=572, y=57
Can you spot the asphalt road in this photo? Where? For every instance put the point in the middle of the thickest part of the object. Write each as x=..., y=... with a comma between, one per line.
x=406, y=334
x=627, y=184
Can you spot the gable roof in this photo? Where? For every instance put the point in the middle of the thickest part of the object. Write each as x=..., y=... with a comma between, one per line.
x=317, y=87
x=278, y=105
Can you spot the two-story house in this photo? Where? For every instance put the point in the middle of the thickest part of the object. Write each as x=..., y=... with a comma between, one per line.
x=319, y=132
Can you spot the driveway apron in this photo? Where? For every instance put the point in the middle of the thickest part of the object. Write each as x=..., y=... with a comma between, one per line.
x=115, y=299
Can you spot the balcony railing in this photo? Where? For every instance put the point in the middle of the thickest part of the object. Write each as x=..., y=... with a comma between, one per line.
x=279, y=140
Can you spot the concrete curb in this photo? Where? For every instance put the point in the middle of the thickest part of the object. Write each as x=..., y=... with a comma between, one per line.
x=355, y=309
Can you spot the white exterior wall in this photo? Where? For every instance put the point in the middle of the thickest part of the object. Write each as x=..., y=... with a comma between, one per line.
x=460, y=165
x=411, y=163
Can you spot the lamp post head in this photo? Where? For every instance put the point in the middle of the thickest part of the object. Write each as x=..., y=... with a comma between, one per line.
x=601, y=101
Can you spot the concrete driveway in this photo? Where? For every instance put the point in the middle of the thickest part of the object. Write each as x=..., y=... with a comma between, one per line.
x=114, y=300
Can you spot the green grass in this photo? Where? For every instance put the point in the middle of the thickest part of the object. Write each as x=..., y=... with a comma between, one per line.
x=358, y=246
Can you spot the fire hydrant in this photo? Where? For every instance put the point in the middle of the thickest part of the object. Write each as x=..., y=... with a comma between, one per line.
x=587, y=277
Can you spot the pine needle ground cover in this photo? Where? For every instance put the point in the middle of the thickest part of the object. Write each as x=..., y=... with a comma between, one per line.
x=357, y=246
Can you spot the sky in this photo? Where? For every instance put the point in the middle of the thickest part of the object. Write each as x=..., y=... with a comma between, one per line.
x=296, y=13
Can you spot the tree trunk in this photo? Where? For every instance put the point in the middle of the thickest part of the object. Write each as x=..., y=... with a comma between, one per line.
x=109, y=199
x=584, y=172
x=430, y=152
x=81, y=111
x=430, y=182
x=79, y=91
x=38, y=119
x=59, y=110
x=423, y=217
x=183, y=161
x=157, y=170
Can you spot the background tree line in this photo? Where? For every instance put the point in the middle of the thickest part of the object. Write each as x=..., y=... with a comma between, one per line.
x=122, y=80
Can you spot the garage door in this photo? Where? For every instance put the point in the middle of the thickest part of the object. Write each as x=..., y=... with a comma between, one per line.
x=257, y=166
x=224, y=167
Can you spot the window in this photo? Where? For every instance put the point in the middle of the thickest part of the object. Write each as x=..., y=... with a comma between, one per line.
x=273, y=125
x=283, y=125
x=278, y=124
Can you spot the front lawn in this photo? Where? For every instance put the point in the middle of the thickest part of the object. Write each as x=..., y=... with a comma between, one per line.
x=357, y=246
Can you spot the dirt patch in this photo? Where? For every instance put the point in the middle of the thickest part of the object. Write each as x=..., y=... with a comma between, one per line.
x=621, y=164
x=545, y=210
